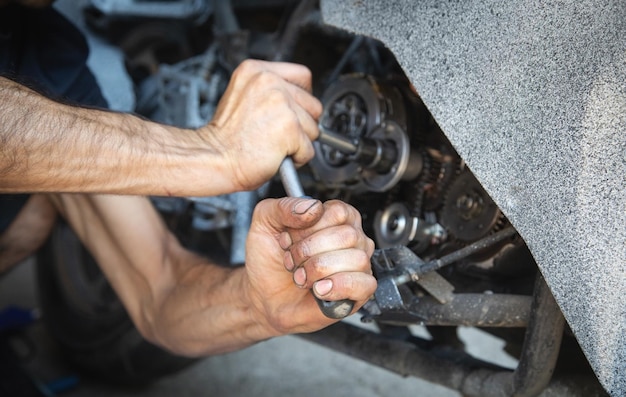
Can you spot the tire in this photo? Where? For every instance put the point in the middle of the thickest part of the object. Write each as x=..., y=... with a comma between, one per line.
x=82, y=312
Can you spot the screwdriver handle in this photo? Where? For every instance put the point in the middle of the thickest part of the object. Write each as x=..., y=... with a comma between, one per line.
x=289, y=177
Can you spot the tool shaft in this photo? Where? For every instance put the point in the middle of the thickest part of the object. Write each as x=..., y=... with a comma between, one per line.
x=289, y=178
x=336, y=141
x=293, y=188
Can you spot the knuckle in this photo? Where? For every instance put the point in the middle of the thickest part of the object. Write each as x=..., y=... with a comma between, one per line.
x=339, y=211
x=316, y=267
x=290, y=121
x=248, y=66
x=318, y=109
x=306, y=73
x=361, y=258
x=349, y=235
x=274, y=97
x=348, y=283
x=370, y=246
x=267, y=78
x=301, y=251
x=307, y=152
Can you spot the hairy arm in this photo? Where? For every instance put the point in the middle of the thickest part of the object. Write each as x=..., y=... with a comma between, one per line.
x=192, y=307
x=267, y=113
x=50, y=147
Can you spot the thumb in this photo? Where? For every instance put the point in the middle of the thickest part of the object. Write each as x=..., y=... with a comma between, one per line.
x=287, y=213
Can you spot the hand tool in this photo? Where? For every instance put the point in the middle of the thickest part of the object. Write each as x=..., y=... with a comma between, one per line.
x=289, y=177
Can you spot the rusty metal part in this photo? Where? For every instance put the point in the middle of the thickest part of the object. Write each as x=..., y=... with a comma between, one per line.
x=437, y=286
x=471, y=310
x=472, y=377
x=468, y=212
x=476, y=310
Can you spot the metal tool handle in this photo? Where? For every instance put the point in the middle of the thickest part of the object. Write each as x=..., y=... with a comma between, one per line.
x=289, y=176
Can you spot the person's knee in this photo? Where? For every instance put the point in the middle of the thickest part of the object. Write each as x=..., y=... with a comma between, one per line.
x=27, y=232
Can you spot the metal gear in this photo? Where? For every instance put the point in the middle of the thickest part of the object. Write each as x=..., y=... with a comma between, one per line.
x=468, y=213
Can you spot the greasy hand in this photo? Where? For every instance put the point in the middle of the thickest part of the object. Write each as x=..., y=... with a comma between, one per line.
x=266, y=114
x=297, y=244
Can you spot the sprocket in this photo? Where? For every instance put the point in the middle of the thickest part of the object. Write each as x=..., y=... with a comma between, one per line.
x=468, y=213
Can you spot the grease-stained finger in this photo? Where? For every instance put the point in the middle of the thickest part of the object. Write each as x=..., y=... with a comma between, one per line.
x=324, y=265
x=355, y=286
x=330, y=239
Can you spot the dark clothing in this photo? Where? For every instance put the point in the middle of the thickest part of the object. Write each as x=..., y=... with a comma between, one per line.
x=42, y=50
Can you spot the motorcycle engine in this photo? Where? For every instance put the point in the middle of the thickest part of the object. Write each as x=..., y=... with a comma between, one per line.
x=425, y=198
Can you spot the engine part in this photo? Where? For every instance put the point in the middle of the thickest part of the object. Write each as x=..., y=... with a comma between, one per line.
x=395, y=226
x=468, y=212
x=375, y=153
x=190, y=90
x=379, y=155
x=381, y=179
x=394, y=267
x=212, y=213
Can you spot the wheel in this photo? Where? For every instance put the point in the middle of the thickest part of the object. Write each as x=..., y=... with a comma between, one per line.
x=83, y=313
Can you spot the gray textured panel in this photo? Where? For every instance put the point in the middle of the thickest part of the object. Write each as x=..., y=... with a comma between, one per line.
x=533, y=96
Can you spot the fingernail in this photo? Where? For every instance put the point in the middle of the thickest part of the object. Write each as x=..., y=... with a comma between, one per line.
x=323, y=287
x=288, y=261
x=284, y=240
x=302, y=206
x=299, y=277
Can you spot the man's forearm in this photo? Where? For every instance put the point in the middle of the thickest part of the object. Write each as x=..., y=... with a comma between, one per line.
x=211, y=317
x=176, y=298
x=51, y=147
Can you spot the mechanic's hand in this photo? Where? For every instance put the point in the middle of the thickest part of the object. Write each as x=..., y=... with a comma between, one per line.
x=266, y=114
x=297, y=244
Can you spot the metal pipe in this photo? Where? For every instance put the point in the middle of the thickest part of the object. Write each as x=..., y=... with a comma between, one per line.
x=475, y=310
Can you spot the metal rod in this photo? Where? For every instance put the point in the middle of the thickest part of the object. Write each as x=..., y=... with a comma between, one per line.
x=290, y=179
x=465, y=251
x=336, y=141
x=474, y=310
